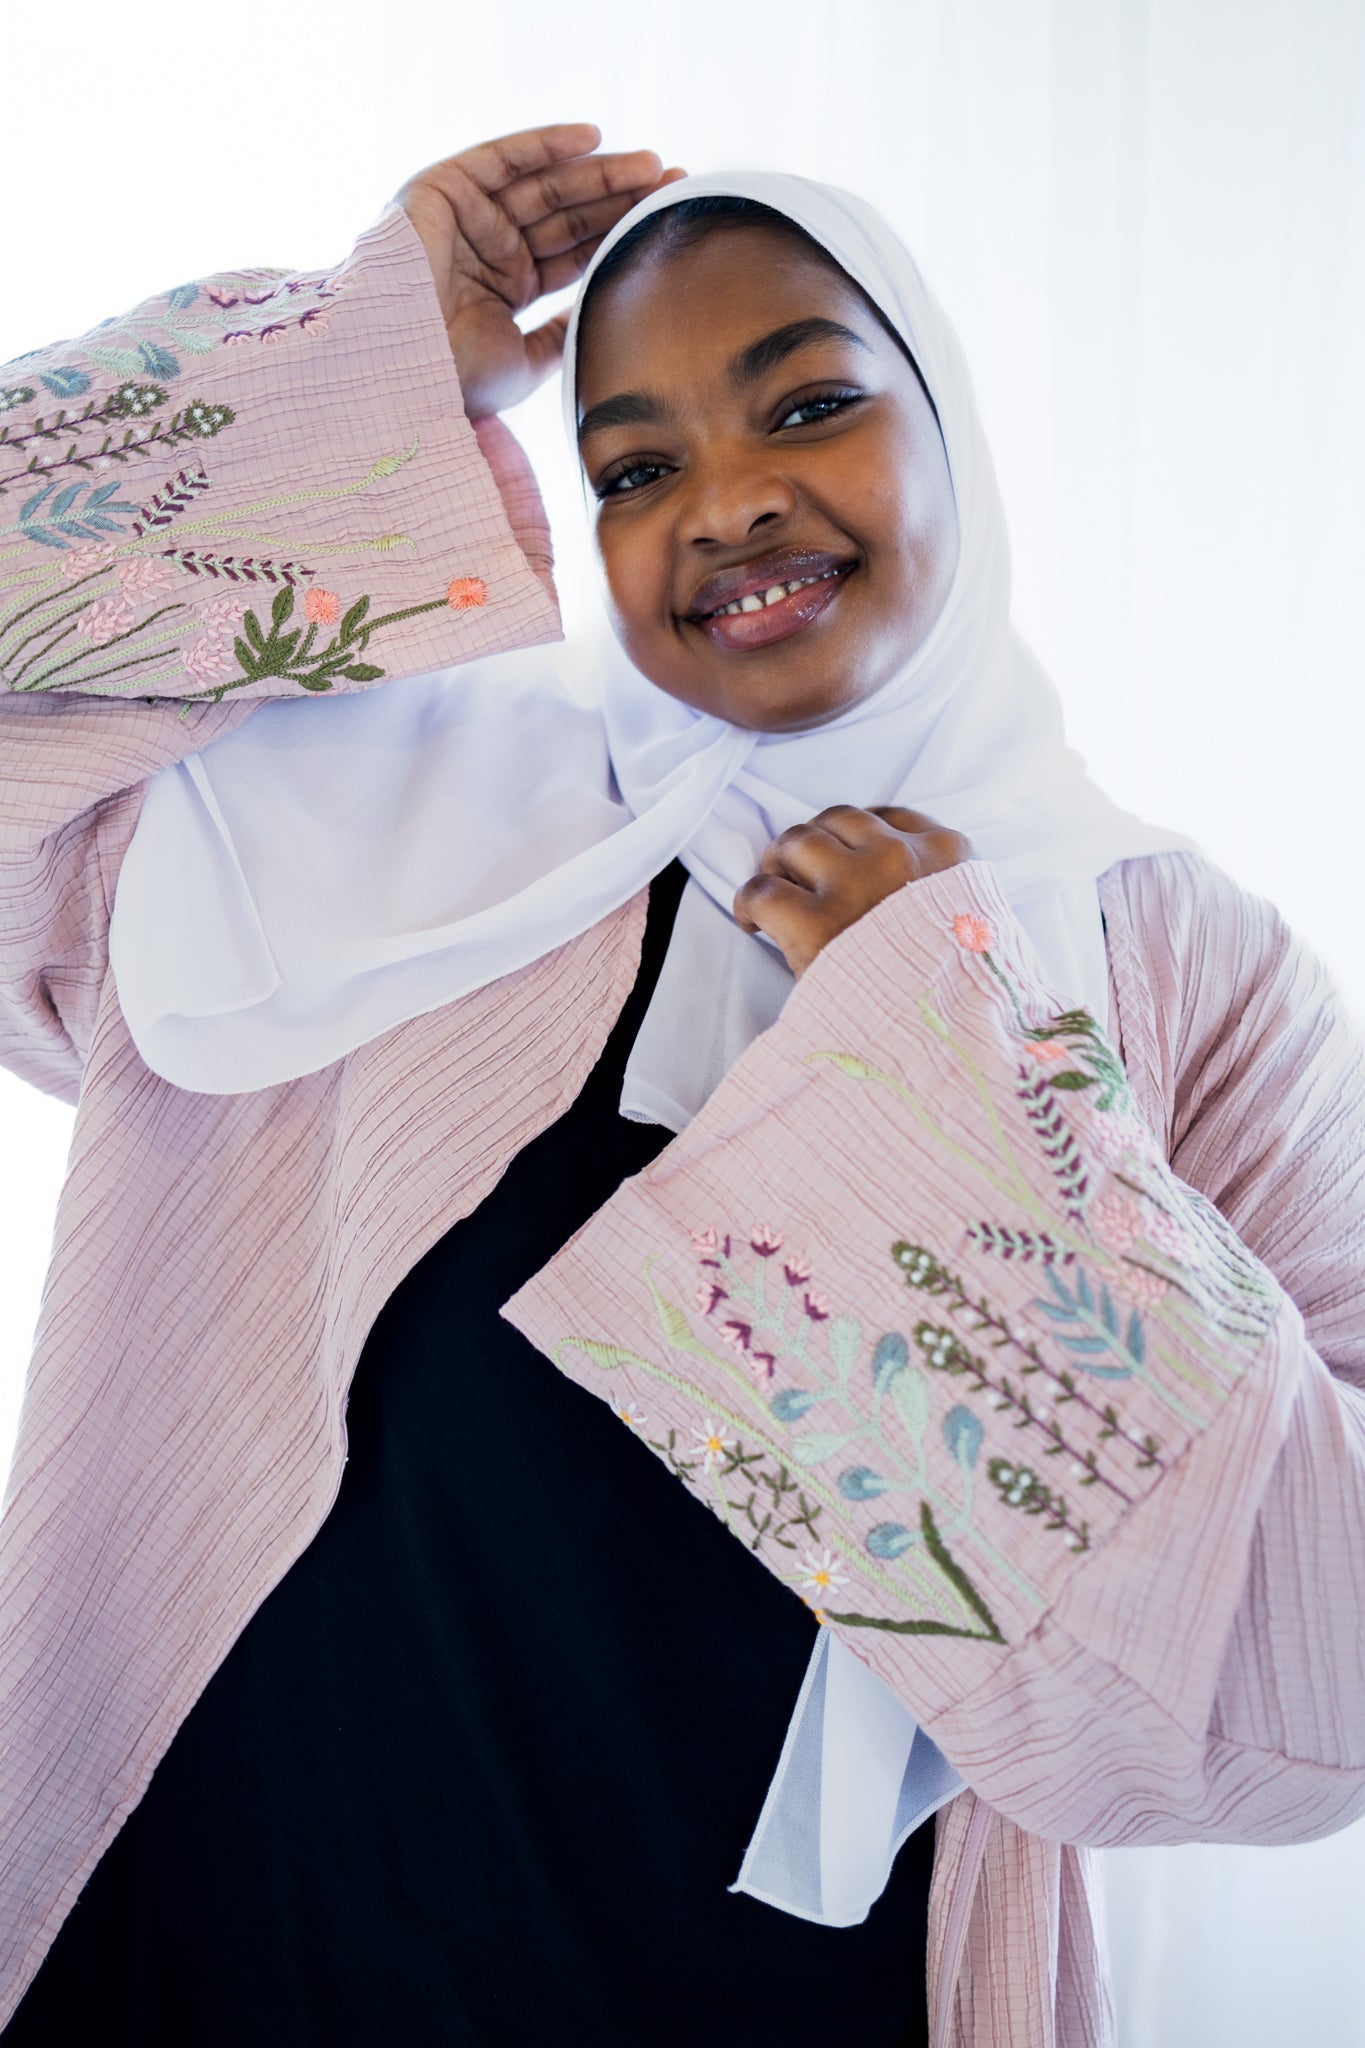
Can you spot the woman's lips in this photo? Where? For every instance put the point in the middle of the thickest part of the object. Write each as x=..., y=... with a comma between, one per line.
x=776, y=621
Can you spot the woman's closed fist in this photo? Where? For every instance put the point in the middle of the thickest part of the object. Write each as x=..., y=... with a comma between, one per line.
x=819, y=878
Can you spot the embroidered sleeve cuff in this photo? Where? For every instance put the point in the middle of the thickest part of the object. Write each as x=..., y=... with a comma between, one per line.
x=258, y=485
x=918, y=1309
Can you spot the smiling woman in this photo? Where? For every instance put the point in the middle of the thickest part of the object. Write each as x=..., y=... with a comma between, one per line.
x=795, y=1069
x=789, y=490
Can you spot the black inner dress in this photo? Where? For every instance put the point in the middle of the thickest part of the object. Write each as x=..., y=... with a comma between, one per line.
x=482, y=1767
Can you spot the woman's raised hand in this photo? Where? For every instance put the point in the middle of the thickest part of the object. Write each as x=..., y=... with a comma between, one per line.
x=503, y=224
x=820, y=878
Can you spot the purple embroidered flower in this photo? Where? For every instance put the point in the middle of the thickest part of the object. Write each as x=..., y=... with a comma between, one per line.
x=765, y=1240
x=704, y=1240
x=797, y=1272
x=736, y=1334
x=817, y=1307
x=709, y=1295
x=764, y=1366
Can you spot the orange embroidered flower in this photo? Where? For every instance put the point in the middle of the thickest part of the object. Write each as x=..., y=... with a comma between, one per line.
x=467, y=593
x=322, y=607
x=1048, y=1049
x=974, y=934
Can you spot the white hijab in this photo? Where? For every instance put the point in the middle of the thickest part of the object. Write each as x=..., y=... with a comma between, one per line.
x=335, y=867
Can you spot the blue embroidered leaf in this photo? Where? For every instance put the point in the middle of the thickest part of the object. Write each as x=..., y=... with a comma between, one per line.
x=1085, y=1294
x=817, y=1445
x=30, y=506
x=1086, y=1343
x=1109, y=1315
x=67, y=383
x=910, y=1396
x=860, y=1482
x=156, y=361
x=890, y=1539
x=119, y=362
x=891, y=1356
x=962, y=1433
x=64, y=500
x=1136, y=1341
x=98, y=497
x=791, y=1404
x=845, y=1342
x=40, y=533
x=184, y=295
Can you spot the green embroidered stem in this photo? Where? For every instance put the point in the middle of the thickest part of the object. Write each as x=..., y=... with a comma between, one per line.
x=956, y=1577
x=44, y=681
x=387, y=465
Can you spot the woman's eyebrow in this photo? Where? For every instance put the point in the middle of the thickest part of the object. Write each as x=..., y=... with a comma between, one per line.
x=765, y=354
x=642, y=408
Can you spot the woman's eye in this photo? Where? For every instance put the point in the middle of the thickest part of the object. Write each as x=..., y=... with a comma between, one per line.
x=811, y=410
x=621, y=482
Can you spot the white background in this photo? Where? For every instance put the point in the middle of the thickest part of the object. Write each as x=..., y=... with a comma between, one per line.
x=1147, y=218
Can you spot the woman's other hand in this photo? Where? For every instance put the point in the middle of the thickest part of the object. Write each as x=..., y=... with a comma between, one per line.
x=503, y=224
x=818, y=879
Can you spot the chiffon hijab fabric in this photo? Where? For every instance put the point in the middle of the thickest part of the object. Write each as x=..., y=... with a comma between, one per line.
x=335, y=867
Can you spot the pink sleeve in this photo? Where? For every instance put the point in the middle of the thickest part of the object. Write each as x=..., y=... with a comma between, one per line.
x=256, y=486
x=919, y=1309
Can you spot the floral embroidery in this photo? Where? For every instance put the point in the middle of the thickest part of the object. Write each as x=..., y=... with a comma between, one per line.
x=822, y=1574
x=712, y=1444
x=974, y=934
x=12, y=396
x=466, y=593
x=322, y=607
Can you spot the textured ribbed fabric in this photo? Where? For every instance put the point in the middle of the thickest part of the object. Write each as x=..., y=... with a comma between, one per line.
x=218, y=1262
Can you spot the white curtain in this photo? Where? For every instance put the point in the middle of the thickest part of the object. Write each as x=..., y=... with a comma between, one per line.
x=1147, y=218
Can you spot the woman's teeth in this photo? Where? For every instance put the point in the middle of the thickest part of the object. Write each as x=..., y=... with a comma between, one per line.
x=757, y=600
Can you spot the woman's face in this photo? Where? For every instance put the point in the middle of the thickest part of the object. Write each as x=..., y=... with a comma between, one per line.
x=747, y=424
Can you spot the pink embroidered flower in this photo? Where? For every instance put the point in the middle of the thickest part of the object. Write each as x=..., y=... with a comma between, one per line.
x=220, y=613
x=322, y=607
x=709, y=1295
x=1169, y=1234
x=316, y=321
x=818, y=1308
x=236, y=338
x=822, y=1573
x=84, y=562
x=275, y=332
x=736, y=1334
x=1116, y=1222
x=1049, y=1049
x=217, y=297
x=1115, y=1137
x=466, y=593
x=712, y=1444
x=704, y=1240
x=974, y=934
x=1142, y=1287
x=145, y=576
x=764, y=1365
x=104, y=620
x=209, y=661
x=765, y=1240
x=797, y=1272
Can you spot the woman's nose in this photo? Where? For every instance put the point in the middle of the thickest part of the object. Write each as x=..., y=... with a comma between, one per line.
x=730, y=495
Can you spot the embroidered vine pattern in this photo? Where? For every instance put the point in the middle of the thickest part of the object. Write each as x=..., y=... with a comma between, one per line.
x=60, y=446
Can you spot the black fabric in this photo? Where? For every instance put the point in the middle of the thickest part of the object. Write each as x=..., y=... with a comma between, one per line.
x=482, y=1767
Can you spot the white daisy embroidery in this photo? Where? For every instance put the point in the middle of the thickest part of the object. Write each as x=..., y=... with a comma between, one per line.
x=822, y=1575
x=712, y=1444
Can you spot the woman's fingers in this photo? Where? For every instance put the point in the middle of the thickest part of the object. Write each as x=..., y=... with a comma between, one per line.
x=584, y=222
x=565, y=186
x=771, y=904
x=545, y=348
x=507, y=158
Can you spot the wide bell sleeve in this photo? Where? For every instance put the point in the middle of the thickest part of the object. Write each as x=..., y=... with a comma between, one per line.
x=255, y=486
x=919, y=1308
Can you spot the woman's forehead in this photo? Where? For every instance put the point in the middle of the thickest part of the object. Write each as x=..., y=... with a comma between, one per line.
x=694, y=309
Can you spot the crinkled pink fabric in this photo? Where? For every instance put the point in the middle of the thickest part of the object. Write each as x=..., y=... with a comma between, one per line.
x=1194, y=1673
